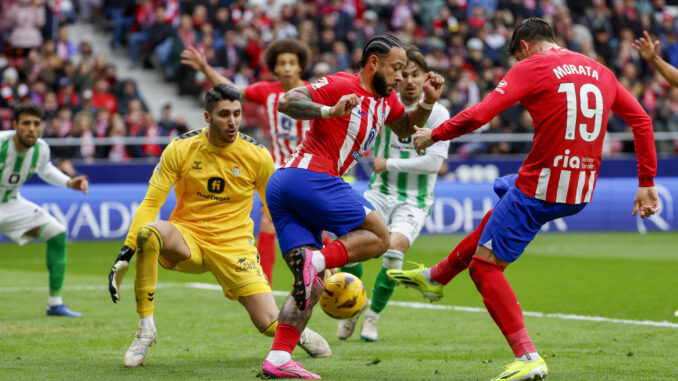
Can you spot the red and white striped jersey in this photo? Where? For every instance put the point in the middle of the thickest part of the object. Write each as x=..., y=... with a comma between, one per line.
x=286, y=132
x=569, y=97
x=333, y=145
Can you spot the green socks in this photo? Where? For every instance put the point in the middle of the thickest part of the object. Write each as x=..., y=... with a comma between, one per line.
x=354, y=268
x=383, y=289
x=56, y=263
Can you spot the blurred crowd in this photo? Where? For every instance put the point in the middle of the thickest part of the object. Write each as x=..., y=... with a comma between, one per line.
x=464, y=40
x=82, y=93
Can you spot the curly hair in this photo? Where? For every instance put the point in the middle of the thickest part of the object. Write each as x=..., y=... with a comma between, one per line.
x=287, y=45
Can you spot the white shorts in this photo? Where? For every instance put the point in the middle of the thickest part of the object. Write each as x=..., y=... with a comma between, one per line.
x=19, y=216
x=400, y=217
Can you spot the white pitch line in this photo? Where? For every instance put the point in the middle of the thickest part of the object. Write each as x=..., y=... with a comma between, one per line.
x=415, y=305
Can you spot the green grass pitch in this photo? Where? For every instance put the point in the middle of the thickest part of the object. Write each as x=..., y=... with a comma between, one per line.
x=204, y=336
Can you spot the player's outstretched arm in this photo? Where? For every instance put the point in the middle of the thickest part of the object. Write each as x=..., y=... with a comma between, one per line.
x=649, y=50
x=195, y=59
x=433, y=87
x=79, y=183
x=646, y=202
x=298, y=104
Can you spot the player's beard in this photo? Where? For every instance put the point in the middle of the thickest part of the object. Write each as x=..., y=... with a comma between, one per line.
x=380, y=85
x=25, y=143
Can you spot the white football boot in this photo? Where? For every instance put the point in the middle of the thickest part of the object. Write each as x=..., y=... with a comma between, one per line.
x=136, y=353
x=347, y=326
x=314, y=344
x=369, y=330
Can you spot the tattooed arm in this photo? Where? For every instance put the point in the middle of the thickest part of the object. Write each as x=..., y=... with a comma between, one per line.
x=404, y=126
x=297, y=104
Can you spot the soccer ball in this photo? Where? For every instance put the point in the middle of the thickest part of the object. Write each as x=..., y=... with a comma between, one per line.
x=343, y=297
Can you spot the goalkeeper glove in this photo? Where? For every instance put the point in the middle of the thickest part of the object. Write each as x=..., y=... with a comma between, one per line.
x=118, y=272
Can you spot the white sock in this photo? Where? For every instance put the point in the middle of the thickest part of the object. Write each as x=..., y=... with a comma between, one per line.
x=147, y=322
x=54, y=301
x=528, y=357
x=427, y=275
x=318, y=260
x=278, y=357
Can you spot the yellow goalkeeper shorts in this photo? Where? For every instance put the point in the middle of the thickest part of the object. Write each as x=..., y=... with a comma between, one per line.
x=234, y=263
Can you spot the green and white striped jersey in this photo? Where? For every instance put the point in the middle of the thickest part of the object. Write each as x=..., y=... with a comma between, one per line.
x=413, y=188
x=17, y=167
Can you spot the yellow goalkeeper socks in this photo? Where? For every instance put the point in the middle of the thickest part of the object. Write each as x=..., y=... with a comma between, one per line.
x=149, y=244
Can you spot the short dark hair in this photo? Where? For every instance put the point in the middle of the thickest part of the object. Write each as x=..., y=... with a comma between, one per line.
x=414, y=55
x=221, y=92
x=380, y=46
x=532, y=29
x=30, y=108
x=287, y=45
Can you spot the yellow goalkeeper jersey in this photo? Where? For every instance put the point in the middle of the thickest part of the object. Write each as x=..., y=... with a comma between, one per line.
x=214, y=186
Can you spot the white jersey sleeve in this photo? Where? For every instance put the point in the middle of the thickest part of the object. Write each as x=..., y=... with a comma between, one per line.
x=48, y=172
x=438, y=115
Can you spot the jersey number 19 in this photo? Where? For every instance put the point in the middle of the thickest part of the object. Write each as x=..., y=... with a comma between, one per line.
x=587, y=111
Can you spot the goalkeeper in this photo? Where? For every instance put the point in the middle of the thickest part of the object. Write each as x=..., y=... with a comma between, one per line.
x=214, y=171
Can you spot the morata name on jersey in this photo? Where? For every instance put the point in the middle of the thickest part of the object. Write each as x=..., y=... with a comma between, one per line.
x=564, y=70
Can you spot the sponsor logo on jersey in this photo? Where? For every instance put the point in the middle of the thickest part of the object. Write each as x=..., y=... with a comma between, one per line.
x=574, y=162
x=196, y=164
x=216, y=185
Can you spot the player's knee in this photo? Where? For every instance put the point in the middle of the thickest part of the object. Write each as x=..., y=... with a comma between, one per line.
x=269, y=329
x=148, y=237
x=51, y=230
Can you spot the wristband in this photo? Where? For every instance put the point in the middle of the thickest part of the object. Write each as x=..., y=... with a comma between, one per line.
x=426, y=106
x=325, y=111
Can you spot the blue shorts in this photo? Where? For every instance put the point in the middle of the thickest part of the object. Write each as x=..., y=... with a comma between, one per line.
x=303, y=203
x=517, y=218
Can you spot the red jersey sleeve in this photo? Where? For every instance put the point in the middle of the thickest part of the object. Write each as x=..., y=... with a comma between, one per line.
x=257, y=92
x=397, y=109
x=515, y=85
x=328, y=90
x=628, y=108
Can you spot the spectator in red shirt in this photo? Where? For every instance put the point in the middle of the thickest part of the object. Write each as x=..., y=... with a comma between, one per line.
x=102, y=98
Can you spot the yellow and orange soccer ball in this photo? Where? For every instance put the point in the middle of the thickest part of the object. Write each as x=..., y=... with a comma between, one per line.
x=343, y=297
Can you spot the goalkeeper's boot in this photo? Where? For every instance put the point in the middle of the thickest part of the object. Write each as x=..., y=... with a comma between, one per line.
x=523, y=370
x=136, y=353
x=415, y=279
x=290, y=369
x=314, y=344
x=347, y=326
x=304, y=272
x=62, y=310
x=369, y=330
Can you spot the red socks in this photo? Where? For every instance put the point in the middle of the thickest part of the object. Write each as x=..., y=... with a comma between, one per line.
x=335, y=254
x=501, y=303
x=286, y=338
x=459, y=258
x=266, y=248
